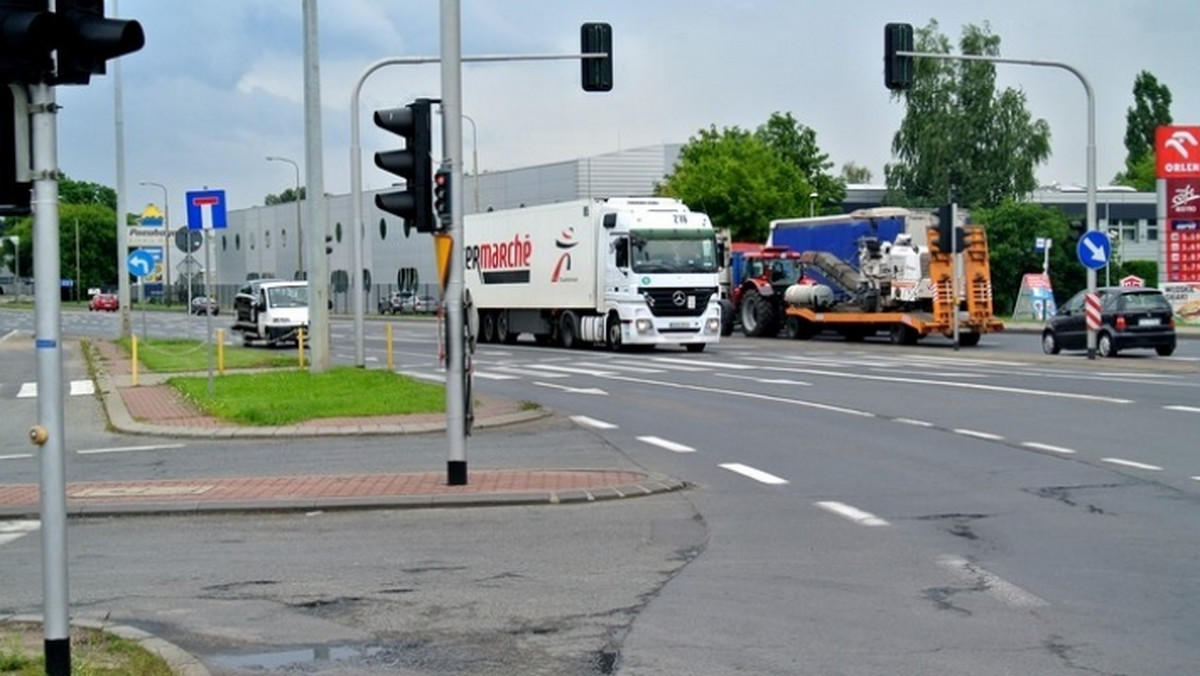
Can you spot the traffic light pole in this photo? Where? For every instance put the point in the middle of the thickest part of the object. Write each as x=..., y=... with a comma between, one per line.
x=318, y=218
x=1091, y=145
x=49, y=432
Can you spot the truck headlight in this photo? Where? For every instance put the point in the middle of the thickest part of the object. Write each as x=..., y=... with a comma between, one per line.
x=713, y=325
x=643, y=325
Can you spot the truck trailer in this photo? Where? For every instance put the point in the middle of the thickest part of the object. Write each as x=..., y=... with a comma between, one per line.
x=617, y=272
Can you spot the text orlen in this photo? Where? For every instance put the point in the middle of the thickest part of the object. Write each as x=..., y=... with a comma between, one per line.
x=1182, y=168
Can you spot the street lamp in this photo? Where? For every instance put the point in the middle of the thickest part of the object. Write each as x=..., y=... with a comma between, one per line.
x=474, y=156
x=812, y=204
x=299, y=230
x=166, y=238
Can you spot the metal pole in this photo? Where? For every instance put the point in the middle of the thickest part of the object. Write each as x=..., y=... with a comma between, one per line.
x=16, y=242
x=1091, y=145
x=456, y=387
x=474, y=158
x=318, y=219
x=299, y=230
x=49, y=433
x=77, y=276
x=166, y=239
x=123, y=295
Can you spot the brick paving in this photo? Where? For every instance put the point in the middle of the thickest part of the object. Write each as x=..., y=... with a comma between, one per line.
x=155, y=408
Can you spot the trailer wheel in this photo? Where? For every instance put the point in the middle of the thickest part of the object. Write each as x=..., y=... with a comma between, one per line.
x=797, y=328
x=503, y=334
x=568, y=330
x=969, y=339
x=903, y=334
x=612, y=333
x=760, y=317
x=487, y=327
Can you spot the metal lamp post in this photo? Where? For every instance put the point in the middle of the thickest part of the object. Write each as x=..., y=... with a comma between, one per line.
x=474, y=155
x=166, y=238
x=812, y=204
x=16, y=243
x=299, y=229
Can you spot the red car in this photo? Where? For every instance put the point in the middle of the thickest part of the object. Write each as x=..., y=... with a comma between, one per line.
x=104, y=301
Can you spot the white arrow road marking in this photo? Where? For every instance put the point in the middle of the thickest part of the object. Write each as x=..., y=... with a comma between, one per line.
x=991, y=584
x=572, y=390
x=592, y=422
x=756, y=474
x=11, y=530
x=853, y=513
x=669, y=445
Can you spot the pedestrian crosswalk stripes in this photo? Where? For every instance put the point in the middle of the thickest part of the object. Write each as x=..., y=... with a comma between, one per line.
x=75, y=388
x=12, y=530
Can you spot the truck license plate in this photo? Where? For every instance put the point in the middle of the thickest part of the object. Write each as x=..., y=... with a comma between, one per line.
x=679, y=325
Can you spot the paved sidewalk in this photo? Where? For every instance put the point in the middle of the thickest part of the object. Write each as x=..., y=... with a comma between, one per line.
x=154, y=408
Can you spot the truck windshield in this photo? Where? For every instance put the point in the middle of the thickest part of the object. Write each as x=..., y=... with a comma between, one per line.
x=287, y=296
x=674, y=250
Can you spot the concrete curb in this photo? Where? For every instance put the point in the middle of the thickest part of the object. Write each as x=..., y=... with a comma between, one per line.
x=180, y=661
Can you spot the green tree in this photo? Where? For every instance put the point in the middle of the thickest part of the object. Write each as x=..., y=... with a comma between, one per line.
x=289, y=195
x=1151, y=109
x=738, y=180
x=1012, y=228
x=97, y=238
x=854, y=173
x=797, y=144
x=83, y=192
x=959, y=136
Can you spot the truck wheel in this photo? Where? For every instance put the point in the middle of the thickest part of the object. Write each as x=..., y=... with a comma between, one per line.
x=695, y=347
x=969, y=339
x=726, y=317
x=612, y=333
x=568, y=330
x=760, y=317
x=902, y=334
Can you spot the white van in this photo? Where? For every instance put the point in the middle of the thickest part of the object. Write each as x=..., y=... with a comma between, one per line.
x=271, y=310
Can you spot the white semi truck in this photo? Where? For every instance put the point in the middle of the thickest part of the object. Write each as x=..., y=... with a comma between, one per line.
x=617, y=271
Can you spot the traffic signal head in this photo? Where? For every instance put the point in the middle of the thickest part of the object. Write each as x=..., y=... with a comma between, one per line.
x=27, y=36
x=596, y=38
x=897, y=70
x=412, y=163
x=88, y=39
x=441, y=198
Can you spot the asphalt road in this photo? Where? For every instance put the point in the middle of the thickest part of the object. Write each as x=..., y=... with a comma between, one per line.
x=857, y=509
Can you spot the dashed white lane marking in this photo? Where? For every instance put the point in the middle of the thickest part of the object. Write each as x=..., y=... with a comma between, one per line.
x=592, y=422
x=128, y=449
x=1130, y=463
x=853, y=513
x=708, y=365
x=991, y=584
x=494, y=376
x=1047, y=447
x=911, y=421
x=16, y=456
x=979, y=435
x=756, y=474
x=11, y=530
x=667, y=444
x=1185, y=409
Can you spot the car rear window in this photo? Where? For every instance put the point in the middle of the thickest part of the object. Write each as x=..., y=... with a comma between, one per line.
x=1146, y=301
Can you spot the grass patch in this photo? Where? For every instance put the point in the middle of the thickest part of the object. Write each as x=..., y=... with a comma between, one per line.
x=93, y=653
x=289, y=397
x=177, y=355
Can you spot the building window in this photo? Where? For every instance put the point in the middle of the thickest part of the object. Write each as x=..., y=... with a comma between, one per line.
x=382, y=229
x=1151, y=230
x=337, y=231
x=267, y=239
x=1129, y=229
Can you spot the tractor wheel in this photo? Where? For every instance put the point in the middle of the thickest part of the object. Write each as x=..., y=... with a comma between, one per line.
x=612, y=333
x=568, y=330
x=760, y=316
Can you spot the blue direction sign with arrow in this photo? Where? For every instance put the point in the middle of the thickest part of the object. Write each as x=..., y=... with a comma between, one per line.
x=140, y=262
x=1094, y=249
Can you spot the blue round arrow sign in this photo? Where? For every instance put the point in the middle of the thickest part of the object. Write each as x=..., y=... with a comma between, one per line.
x=1094, y=249
x=140, y=262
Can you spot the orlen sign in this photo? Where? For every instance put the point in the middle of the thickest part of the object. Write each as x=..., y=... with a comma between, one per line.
x=1177, y=151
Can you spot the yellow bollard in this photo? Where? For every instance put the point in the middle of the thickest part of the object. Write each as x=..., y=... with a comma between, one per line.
x=391, y=359
x=300, y=347
x=221, y=351
x=133, y=366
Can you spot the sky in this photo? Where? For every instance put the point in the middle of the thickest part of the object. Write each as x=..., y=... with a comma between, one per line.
x=219, y=85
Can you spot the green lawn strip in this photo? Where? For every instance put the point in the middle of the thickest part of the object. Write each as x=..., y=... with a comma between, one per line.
x=289, y=397
x=179, y=355
x=93, y=653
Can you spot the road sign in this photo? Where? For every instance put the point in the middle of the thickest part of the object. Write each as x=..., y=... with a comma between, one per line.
x=188, y=241
x=140, y=262
x=1091, y=311
x=206, y=210
x=1094, y=249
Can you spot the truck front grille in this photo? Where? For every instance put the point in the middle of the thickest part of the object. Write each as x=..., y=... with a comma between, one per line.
x=677, y=301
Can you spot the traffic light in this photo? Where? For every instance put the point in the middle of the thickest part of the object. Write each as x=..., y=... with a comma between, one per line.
x=15, y=171
x=88, y=40
x=596, y=38
x=27, y=36
x=441, y=198
x=414, y=203
x=897, y=70
x=947, y=228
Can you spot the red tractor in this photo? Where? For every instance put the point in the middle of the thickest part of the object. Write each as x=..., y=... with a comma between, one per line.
x=758, y=277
